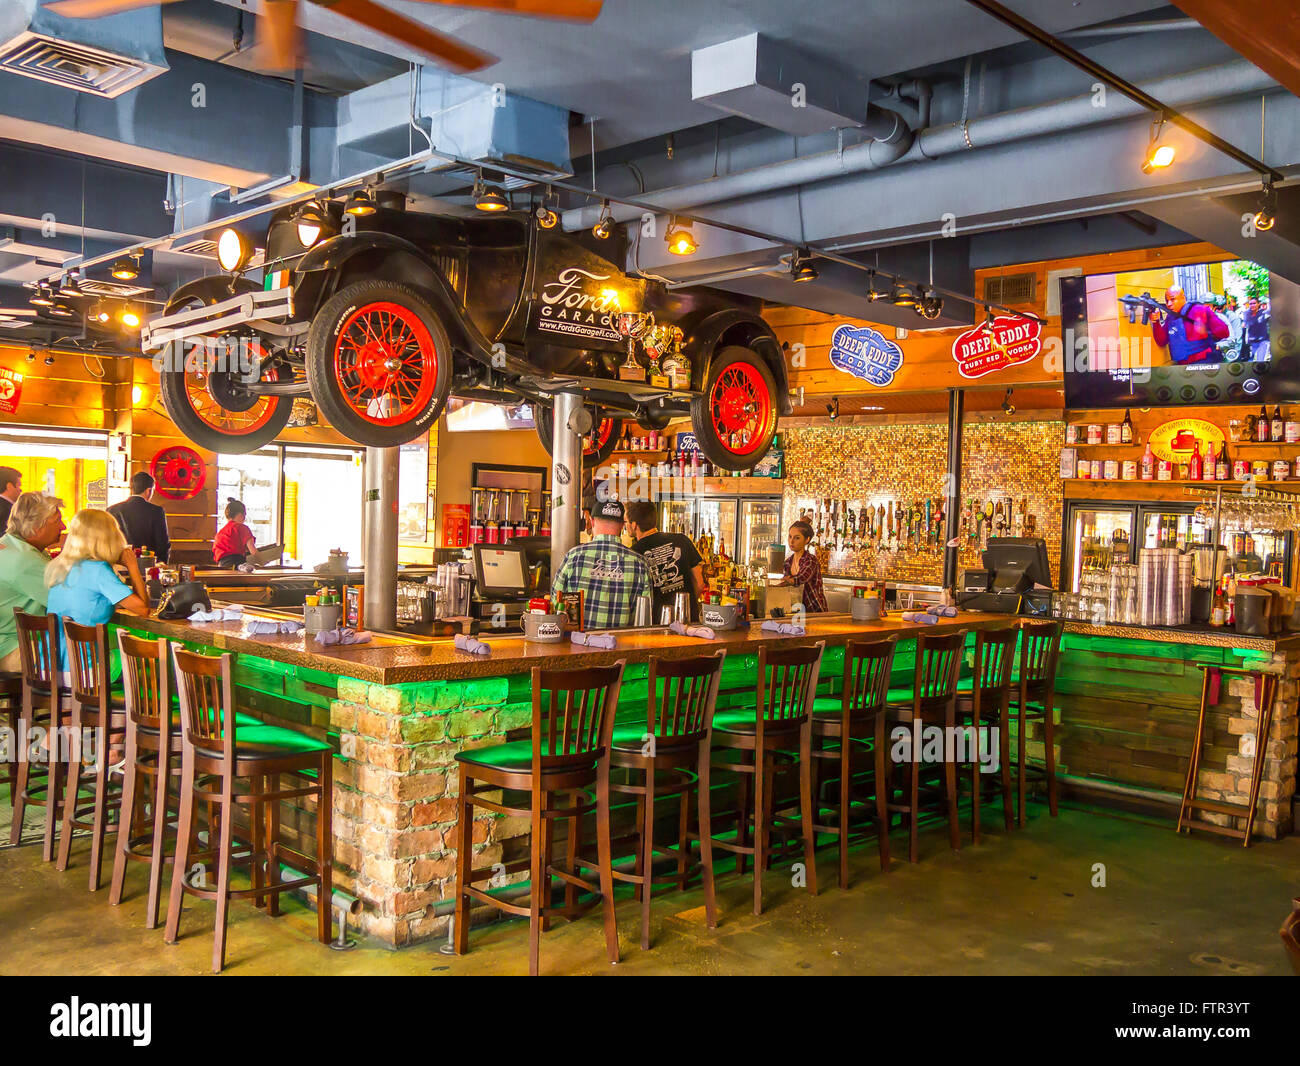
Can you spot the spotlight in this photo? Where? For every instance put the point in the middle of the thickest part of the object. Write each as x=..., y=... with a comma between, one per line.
x=359, y=204
x=310, y=221
x=872, y=294
x=489, y=197
x=1266, y=215
x=930, y=305
x=604, y=227
x=1159, y=156
x=137, y=394
x=49, y=360
x=681, y=241
x=546, y=218
x=61, y=310
x=43, y=296
x=234, y=250
x=801, y=267
x=1008, y=408
x=31, y=355
x=130, y=318
x=833, y=408
x=902, y=296
x=70, y=285
x=126, y=269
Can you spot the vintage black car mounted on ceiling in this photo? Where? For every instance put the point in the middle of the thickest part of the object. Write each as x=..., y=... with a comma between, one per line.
x=381, y=317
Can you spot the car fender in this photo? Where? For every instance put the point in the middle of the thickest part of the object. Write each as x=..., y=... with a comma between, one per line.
x=737, y=326
x=402, y=262
x=212, y=289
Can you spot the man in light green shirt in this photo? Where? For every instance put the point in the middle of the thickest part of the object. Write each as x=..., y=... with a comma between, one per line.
x=35, y=525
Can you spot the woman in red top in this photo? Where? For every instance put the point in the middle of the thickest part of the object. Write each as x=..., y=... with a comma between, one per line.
x=234, y=540
x=802, y=568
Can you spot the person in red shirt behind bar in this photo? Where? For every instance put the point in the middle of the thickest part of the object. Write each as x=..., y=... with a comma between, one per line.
x=802, y=568
x=234, y=540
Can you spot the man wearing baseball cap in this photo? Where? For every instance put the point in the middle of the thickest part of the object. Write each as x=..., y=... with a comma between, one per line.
x=609, y=575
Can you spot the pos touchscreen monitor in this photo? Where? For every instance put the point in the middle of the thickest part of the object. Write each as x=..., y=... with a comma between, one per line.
x=1017, y=564
x=501, y=570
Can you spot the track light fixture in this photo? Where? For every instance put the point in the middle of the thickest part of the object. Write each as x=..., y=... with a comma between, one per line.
x=43, y=296
x=872, y=294
x=930, y=305
x=1159, y=156
x=128, y=268
x=801, y=267
x=360, y=204
x=604, y=227
x=489, y=197
x=547, y=218
x=70, y=285
x=902, y=296
x=833, y=408
x=1266, y=215
x=681, y=241
x=1008, y=408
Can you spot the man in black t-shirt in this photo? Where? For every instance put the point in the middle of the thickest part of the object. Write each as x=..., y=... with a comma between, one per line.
x=674, y=564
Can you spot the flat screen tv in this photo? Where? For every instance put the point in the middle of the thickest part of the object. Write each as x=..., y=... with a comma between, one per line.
x=1205, y=333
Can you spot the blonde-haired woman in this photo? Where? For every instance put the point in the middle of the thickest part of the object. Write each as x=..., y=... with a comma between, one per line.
x=82, y=583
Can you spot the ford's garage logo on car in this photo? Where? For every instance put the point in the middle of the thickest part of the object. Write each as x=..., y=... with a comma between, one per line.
x=866, y=354
x=1008, y=341
x=569, y=305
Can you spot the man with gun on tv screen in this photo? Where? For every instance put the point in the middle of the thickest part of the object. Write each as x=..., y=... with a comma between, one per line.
x=1190, y=332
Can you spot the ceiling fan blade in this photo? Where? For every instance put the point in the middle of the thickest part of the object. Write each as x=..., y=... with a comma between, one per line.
x=93, y=9
x=279, y=28
x=419, y=38
x=582, y=10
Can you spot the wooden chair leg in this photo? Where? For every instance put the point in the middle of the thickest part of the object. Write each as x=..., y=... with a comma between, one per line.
x=158, y=848
x=99, y=823
x=126, y=819
x=55, y=779
x=975, y=795
x=683, y=837
x=744, y=807
x=548, y=844
x=950, y=784
x=464, y=864
x=638, y=867
x=605, y=858
x=1049, y=754
x=846, y=775
x=1020, y=762
x=72, y=786
x=324, y=852
x=22, y=779
x=184, y=842
x=914, y=795
x=647, y=854
x=761, y=786
x=226, y=847
x=272, y=850
x=536, y=880
x=704, y=815
x=574, y=849
x=806, y=807
x=884, y=793
x=1004, y=758
x=260, y=846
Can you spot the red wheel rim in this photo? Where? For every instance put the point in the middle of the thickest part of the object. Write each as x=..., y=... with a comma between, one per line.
x=599, y=437
x=231, y=423
x=741, y=409
x=385, y=364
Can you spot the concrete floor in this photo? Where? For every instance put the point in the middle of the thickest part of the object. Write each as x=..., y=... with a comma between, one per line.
x=1019, y=903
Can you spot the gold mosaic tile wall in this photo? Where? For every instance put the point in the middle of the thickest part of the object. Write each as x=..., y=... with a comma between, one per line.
x=907, y=463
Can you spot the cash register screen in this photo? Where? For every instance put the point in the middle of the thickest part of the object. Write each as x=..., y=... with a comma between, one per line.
x=500, y=570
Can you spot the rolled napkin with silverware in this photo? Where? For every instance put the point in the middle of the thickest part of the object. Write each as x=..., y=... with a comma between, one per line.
x=342, y=635
x=702, y=632
x=472, y=645
x=593, y=640
x=920, y=617
x=264, y=627
x=786, y=629
x=940, y=611
x=217, y=614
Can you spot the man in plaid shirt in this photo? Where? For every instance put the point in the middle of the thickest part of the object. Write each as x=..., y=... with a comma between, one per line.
x=610, y=576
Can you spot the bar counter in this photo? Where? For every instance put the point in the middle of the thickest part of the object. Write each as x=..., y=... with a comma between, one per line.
x=399, y=709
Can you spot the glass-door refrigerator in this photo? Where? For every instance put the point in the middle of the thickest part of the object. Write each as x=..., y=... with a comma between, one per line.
x=1096, y=536
x=679, y=517
x=716, y=517
x=760, y=527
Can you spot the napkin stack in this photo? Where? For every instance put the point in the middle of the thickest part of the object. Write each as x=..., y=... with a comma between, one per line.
x=342, y=636
x=593, y=640
x=788, y=629
x=264, y=627
x=217, y=614
x=470, y=645
x=682, y=630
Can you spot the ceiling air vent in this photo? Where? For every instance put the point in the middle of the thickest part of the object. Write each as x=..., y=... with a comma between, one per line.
x=112, y=290
x=74, y=66
x=1011, y=289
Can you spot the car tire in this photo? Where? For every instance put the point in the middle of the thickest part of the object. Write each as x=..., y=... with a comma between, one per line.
x=610, y=429
x=372, y=346
x=735, y=415
x=206, y=404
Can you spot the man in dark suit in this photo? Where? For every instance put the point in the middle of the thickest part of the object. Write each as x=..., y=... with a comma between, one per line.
x=143, y=523
x=11, y=487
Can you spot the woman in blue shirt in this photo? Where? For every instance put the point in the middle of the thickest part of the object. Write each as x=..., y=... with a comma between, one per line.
x=82, y=583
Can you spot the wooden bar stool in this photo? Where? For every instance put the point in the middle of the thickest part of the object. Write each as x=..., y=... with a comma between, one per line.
x=567, y=755
x=860, y=720
x=1033, y=691
x=95, y=711
x=1265, y=693
x=984, y=701
x=667, y=757
x=152, y=760
x=762, y=738
x=11, y=709
x=933, y=702
x=42, y=707
x=218, y=750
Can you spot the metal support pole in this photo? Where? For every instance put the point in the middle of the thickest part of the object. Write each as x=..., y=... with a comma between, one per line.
x=566, y=474
x=952, y=486
x=379, y=525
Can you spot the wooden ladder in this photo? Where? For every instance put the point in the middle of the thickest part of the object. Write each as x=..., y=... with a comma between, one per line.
x=1266, y=691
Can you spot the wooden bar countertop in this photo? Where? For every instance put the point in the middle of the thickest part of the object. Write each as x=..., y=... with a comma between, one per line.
x=393, y=659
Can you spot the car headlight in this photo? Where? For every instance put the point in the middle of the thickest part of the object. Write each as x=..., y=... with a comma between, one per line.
x=233, y=250
x=308, y=233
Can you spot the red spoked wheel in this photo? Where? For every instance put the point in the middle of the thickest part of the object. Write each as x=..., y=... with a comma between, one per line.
x=735, y=417
x=178, y=472
x=219, y=406
x=379, y=363
x=597, y=446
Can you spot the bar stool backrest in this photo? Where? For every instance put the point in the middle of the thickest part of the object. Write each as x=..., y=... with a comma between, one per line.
x=145, y=681
x=573, y=714
x=787, y=683
x=38, y=644
x=938, y=664
x=995, y=650
x=867, y=666
x=88, y=662
x=682, y=709
x=1040, y=650
x=204, y=684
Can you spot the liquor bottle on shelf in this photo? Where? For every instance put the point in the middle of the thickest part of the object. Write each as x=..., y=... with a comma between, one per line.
x=1222, y=467
x=1148, y=464
x=1277, y=428
x=1126, y=429
x=1194, y=464
x=1210, y=465
x=1263, y=427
